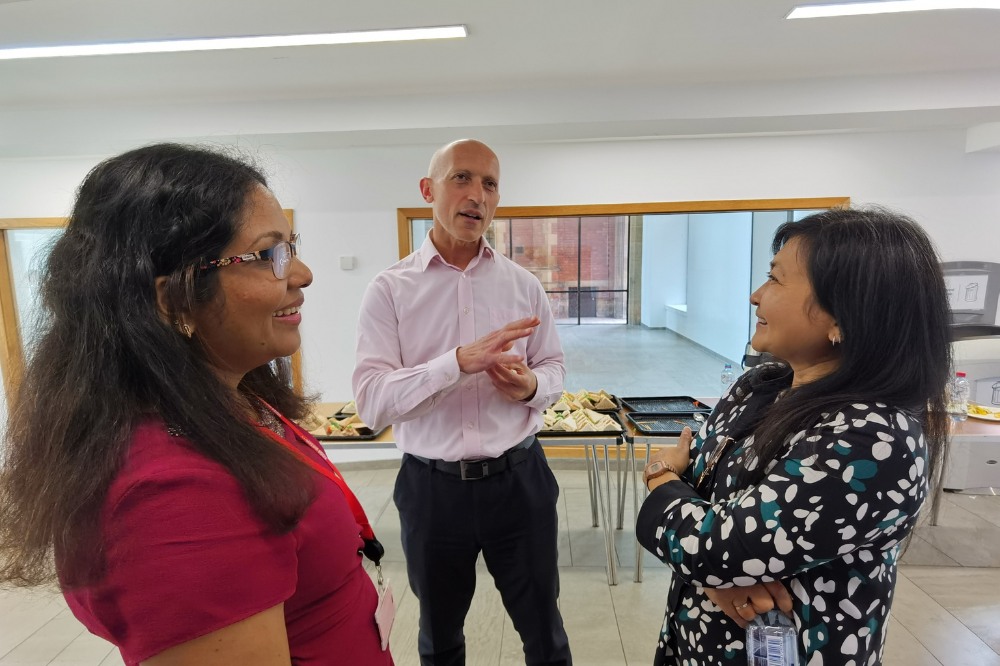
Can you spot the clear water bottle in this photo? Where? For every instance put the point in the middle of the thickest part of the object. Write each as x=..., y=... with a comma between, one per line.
x=958, y=397
x=727, y=378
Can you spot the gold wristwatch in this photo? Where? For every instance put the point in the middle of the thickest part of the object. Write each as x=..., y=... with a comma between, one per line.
x=655, y=469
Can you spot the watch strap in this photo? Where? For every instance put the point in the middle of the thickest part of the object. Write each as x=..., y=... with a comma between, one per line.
x=657, y=468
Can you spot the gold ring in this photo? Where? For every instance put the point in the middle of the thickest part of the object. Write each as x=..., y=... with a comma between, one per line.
x=743, y=606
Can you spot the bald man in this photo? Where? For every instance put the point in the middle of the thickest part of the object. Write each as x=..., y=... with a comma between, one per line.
x=457, y=349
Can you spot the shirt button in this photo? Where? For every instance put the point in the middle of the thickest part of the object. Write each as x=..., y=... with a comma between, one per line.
x=465, y=310
x=464, y=276
x=468, y=387
x=471, y=425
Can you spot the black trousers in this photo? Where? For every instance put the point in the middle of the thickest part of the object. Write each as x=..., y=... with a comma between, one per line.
x=511, y=518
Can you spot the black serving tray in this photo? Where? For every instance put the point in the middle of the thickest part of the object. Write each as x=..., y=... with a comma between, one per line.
x=587, y=433
x=664, y=424
x=671, y=404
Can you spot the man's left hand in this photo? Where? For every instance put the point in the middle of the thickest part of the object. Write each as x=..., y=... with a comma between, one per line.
x=514, y=379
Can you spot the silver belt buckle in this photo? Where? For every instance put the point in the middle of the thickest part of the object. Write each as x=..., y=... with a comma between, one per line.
x=465, y=466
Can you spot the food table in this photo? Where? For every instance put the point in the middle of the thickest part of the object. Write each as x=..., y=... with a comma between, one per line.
x=972, y=458
x=592, y=443
x=634, y=438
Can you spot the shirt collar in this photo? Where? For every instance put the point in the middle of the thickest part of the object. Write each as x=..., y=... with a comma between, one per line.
x=428, y=251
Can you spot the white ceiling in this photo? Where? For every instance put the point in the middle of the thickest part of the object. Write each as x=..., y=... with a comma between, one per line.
x=530, y=70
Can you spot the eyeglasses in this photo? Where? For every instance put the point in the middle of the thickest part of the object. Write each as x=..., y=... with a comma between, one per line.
x=280, y=257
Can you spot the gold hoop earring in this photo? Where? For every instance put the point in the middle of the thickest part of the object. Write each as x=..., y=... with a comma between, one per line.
x=183, y=328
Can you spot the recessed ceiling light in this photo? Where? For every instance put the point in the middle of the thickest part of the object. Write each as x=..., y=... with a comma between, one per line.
x=886, y=7
x=223, y=43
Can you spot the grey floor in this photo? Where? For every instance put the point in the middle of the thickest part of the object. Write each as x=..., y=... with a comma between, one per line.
x=946, y=609
x=638, y=361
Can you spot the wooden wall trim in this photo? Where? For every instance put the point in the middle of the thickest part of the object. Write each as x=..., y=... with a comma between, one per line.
x=404, y=215
x=11, y=351
x=32, y=222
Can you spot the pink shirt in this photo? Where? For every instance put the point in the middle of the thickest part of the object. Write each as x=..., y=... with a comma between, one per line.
x=414, y=316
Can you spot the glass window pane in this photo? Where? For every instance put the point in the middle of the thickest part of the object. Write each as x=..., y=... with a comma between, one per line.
x=604, y=244
x=611, y=307
x=29, y=249
x=498, y=236
x=418, y=232
x=548, y=248
x=559, y=301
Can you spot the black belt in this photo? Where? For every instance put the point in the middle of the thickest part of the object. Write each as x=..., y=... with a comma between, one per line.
x=473, y=470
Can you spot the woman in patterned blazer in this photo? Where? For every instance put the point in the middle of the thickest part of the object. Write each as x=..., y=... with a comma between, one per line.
x=808, y=476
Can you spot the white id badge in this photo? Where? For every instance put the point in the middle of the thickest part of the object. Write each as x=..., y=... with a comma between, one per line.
x=772, y=641
x=385, y=611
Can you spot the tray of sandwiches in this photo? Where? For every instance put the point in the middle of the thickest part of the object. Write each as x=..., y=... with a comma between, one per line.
x=332, y=428
x=599, y=401
x=588, y=422
x=671, y=404
x=665, y=425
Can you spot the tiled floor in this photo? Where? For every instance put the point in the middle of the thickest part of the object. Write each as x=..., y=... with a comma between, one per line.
x=942, y=614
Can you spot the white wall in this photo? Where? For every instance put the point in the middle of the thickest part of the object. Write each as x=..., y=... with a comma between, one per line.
x=346, y=199
x=718, y=283
x=664, y=266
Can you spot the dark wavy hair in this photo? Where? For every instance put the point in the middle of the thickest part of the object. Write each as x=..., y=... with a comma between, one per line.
x=106, y=359
x=877, y=273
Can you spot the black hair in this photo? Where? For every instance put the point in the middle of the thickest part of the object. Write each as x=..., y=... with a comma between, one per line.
x=877, y=274
x=107, y=358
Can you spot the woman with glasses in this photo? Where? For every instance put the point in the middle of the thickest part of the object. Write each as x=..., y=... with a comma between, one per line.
x=151, y=464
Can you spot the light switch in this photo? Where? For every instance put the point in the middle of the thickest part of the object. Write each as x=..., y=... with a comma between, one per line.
x=347, y=263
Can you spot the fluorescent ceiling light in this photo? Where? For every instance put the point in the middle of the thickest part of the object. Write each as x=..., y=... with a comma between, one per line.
x=887, y=7
x=223, y=43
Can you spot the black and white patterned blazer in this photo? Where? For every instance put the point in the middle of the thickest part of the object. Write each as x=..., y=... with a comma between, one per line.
x=827, y=520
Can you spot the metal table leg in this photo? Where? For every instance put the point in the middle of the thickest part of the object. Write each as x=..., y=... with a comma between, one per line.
x=635, y=497
x=608, y=534
x=605, y=515
x=590, y=458
x=627, y=474
x=620, y=492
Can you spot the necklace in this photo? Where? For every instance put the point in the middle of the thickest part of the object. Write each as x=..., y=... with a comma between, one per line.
x=268, y=420
x=264, y=417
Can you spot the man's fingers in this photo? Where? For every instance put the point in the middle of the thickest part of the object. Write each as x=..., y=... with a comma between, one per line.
x=526, y=323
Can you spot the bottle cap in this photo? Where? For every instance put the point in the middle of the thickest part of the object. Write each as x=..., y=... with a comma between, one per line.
x=959, y=374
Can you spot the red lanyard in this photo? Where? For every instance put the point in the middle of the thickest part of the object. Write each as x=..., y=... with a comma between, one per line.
x=329, y=470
